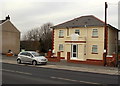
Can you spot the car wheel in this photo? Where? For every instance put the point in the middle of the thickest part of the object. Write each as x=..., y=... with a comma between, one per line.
x=34, y=63
x=19, y=61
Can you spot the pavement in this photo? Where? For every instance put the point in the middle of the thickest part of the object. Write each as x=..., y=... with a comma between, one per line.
x=70, y=66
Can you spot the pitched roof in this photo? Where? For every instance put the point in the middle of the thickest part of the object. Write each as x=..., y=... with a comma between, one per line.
x=1, y=21
x=83, y=21
x=6, y=18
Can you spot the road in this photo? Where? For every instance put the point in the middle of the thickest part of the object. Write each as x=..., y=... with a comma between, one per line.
x=23, y=74
x=70, y=66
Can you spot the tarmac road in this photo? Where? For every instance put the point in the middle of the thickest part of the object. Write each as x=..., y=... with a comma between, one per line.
x=69, y=66
x=22, y=74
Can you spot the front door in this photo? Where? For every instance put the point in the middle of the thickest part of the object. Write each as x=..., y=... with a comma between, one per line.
x=74, y=50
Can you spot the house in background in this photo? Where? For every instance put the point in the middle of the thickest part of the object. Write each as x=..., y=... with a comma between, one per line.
x=9, y=37
x=84, y=38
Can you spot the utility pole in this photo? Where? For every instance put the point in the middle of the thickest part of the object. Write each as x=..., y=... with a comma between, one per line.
x=117, y=55
x=106, y=34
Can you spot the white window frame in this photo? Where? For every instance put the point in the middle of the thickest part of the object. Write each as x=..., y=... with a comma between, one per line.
x=94, y=48
x=74, y=52
x=95, y=32
x=61, y=33
x=61, y=47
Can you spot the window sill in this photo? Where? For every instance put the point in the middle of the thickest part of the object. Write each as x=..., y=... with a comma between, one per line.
x=94, y=53
x=80, y=36
x=74, y=58
x=68, y=36
x=61, y=36
x=94, y=36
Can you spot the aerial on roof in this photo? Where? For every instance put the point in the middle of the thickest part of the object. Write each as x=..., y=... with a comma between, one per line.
x=82, y=21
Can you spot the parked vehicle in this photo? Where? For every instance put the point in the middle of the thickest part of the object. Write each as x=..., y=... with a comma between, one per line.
x=31, y=57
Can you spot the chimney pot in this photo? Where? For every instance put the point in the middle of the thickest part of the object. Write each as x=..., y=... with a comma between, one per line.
x=8, y=17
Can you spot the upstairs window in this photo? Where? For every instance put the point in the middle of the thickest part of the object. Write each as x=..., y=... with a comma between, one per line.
x=95, y=33
x=61, y=34
x=77, y=31
x=94, y=49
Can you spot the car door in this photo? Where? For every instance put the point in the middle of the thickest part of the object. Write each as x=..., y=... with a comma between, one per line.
x=29, y=57
x=23, y=56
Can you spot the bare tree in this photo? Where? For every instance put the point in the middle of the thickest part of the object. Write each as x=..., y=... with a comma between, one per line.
x=42, y=34
x=46, y=39
x=32, y=35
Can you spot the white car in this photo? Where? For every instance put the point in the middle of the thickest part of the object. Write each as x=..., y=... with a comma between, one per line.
x=31, y=57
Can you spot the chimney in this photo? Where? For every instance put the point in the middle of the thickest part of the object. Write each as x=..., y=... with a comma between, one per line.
x=7, y=18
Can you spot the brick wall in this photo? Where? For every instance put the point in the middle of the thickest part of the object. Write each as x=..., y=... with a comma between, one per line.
x=88, y=61
x=53, y=58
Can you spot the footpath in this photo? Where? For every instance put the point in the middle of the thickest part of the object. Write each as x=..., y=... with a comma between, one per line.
x=70, y=66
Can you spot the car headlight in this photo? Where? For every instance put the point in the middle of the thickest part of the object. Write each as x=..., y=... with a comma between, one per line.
x=43, y=59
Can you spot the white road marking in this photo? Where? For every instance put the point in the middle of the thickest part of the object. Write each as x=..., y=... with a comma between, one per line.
x=73, y=80
x=101, y=71
x=16, y=71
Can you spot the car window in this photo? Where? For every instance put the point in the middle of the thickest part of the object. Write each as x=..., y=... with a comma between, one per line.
x=28, y=54
x=36, y=54
x=23, y=53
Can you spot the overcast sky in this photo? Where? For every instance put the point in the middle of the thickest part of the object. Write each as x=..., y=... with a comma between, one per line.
x=29, y=14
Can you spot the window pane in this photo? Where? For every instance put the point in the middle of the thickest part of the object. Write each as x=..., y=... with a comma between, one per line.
x=95, y=32
x=28, y=54
x=24, y=53
x=74, y=54
x=60, y=47
x=74, y=48
x=77, y=32
x=61, y=33
x=94, y=49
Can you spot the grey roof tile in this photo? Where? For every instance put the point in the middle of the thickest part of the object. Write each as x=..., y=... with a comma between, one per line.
x=83, y=21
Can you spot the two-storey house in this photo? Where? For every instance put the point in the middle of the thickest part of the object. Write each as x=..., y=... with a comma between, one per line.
x=9, y=37
x=84, y=38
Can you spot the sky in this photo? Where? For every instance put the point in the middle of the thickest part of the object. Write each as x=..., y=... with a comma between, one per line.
x=29, y=14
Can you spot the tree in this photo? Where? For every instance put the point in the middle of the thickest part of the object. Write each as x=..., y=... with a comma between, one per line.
x=46, y=39
x=42, y=34
x=32, y=35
